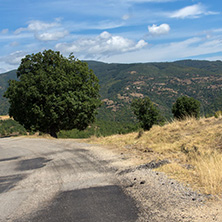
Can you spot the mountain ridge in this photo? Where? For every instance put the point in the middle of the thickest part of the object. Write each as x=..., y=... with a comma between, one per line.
x=163, y=82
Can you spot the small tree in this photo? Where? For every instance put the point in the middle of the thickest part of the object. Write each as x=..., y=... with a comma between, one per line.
x=53, y=93
x=186, y=107
x=146, y=113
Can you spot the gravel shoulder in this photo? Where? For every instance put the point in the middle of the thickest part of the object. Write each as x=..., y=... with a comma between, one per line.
x=158, y=197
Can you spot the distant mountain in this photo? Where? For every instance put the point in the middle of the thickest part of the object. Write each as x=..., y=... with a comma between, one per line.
x=162, y=82
x=4, y=78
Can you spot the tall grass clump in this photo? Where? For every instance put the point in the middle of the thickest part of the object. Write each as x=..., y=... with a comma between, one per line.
x=209, y=173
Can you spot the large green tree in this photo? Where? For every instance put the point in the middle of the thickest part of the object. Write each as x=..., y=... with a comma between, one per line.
x=186, y=107
x=146, y=112
x=53, y=93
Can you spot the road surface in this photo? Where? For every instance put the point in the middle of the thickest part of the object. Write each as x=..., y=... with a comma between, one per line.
x=51, y=180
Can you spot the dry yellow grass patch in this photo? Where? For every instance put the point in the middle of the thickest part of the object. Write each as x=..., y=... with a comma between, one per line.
x=4, y=117
x=194, y=148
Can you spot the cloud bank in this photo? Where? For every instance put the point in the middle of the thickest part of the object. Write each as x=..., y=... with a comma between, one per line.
x=44, y=31
x=105, y=45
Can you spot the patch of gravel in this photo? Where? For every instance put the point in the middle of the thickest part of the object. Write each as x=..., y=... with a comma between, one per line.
x=160, y=198
x=151, y=165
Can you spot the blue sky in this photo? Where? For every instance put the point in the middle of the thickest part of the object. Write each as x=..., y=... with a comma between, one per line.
x=120, y=31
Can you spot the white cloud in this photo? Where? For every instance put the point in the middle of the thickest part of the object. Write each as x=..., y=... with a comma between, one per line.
x=126, y=17
x=105, y=35
x=36, y=26
x=192, y=11
x=140, y=44
x=103, y=45
x=44, y=31
x=159, y=30
x=13, y=58
x=51, y=36
x=4, y=31
x=189, y=48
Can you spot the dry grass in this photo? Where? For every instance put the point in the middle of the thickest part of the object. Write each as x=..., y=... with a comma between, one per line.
x=4, y=117
x=194, y=148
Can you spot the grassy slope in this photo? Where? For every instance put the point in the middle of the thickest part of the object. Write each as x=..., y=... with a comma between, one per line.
x=193, y=147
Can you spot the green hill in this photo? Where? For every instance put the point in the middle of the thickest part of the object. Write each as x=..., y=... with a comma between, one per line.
x=162, y=82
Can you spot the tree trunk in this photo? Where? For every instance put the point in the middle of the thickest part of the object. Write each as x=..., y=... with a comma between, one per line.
x=53, y=134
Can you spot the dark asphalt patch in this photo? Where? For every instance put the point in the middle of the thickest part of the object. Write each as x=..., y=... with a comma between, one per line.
x=99, y=204
x=8, y=159
x=79, y=150
x=32, y=164
x=8, y=182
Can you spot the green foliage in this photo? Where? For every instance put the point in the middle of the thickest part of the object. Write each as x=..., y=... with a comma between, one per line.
x=218, y=114
x=186, y=107
x=100, y=128
x=53, y=93
x=11, y=128
x=146, y=113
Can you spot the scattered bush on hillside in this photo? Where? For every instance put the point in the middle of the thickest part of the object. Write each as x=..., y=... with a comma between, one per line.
x=146, y=113
x=186, y=107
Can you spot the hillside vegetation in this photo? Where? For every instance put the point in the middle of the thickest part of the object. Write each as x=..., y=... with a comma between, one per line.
x=9, y=127
x=163, y=83
x=192, y=147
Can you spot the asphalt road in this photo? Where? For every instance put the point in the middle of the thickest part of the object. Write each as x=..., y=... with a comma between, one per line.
x=52, y=180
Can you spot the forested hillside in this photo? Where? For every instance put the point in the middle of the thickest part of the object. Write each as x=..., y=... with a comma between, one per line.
x=162, y=82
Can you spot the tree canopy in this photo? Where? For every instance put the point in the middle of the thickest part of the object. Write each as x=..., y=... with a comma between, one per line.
x=186, y=107
x=53, y=93
x=146, y=113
